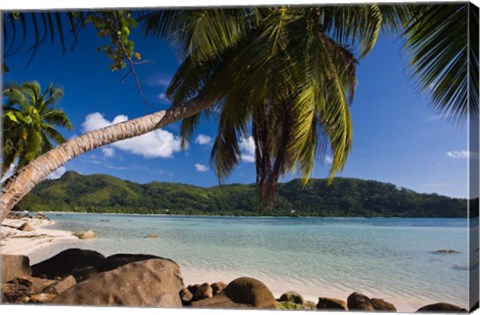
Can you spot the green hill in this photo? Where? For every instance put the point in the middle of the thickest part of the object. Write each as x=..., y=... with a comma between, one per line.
x=345, y=197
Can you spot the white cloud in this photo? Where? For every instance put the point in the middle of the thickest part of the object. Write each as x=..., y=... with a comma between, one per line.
x=201, y=167
x=160, y=79
x=463, y=154
x=157, y=143
x=203, y=139
x=247, y=149
x=328, y=159
x=108, y=152
x=57, y=173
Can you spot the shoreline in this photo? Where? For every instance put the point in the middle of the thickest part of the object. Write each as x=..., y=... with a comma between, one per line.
x=37, y=244
x=46, y=241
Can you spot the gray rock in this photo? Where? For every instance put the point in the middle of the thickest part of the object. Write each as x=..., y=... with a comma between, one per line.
x=152, y=282
x=331, y=303
x=15, y=266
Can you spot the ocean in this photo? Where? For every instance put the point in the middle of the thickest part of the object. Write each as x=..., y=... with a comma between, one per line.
x=390, y=258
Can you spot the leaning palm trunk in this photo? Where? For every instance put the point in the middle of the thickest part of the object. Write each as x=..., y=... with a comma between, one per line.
x=21, y=183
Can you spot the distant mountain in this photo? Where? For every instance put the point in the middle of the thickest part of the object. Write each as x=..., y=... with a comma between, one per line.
x=345, y=197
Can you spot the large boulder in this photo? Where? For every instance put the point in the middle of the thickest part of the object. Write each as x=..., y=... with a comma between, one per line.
x=291, y=296
x=441, y=307
x=67, y=263
x=243, y=292
x=331, y=303
x=117, y=260
x=15, y=266
x=152, y=283
x=358, y=301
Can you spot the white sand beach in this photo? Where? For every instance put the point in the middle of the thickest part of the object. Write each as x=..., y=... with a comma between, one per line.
x=38, y=244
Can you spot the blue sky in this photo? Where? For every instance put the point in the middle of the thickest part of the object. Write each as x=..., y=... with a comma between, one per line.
x=398, y=138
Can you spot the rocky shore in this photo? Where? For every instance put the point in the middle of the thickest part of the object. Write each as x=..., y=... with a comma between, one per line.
x=85, y=277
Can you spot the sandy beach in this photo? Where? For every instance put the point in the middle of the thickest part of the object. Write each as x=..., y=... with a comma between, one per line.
x=39, y=244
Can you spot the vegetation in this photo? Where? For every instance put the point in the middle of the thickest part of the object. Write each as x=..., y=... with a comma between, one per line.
x=288, y=71
x=345, y=197
x=29, y=119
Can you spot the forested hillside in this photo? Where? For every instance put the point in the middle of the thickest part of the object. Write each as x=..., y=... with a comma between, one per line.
x=344, y=197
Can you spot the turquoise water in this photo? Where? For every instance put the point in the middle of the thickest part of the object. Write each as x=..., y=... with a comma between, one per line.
x=387, y=258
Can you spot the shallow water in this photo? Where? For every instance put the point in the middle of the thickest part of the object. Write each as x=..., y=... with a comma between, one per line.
x=388, y=258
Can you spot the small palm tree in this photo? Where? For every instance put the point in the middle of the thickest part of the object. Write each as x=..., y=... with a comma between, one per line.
x=29, y=122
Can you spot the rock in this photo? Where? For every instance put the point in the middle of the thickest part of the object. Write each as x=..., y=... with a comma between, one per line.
x=152, y=236
x=292, y=297
x=204, y=291
x=153, y=282
x=358, y=301
x=15, y=266
x=61, y=286
x=331, y=303
x=26, y=227
x=446, y=251
x=193, y=288
x=241, y=293
x=117, y=260
x=382, y=305
x=83, y=235
x=186, y=296
x=218, y=287
x=67, y=262
x=42, y=297
x=35, y=285
x=441, y=307
x=475, y=306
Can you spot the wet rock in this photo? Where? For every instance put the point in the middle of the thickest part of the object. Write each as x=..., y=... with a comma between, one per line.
x=331, y=303
x=67, y=263
x=83, y=235
x=441, y=307
x=218, y=287
x=204, y=291
x=291, y=296
x=152, y=282
x=117, y=260
x=14, y=266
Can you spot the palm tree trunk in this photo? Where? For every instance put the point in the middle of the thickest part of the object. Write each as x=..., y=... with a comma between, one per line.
x=21, y=183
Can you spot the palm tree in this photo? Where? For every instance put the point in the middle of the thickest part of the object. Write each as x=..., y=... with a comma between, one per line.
x=29, y=122
x=255, y=65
